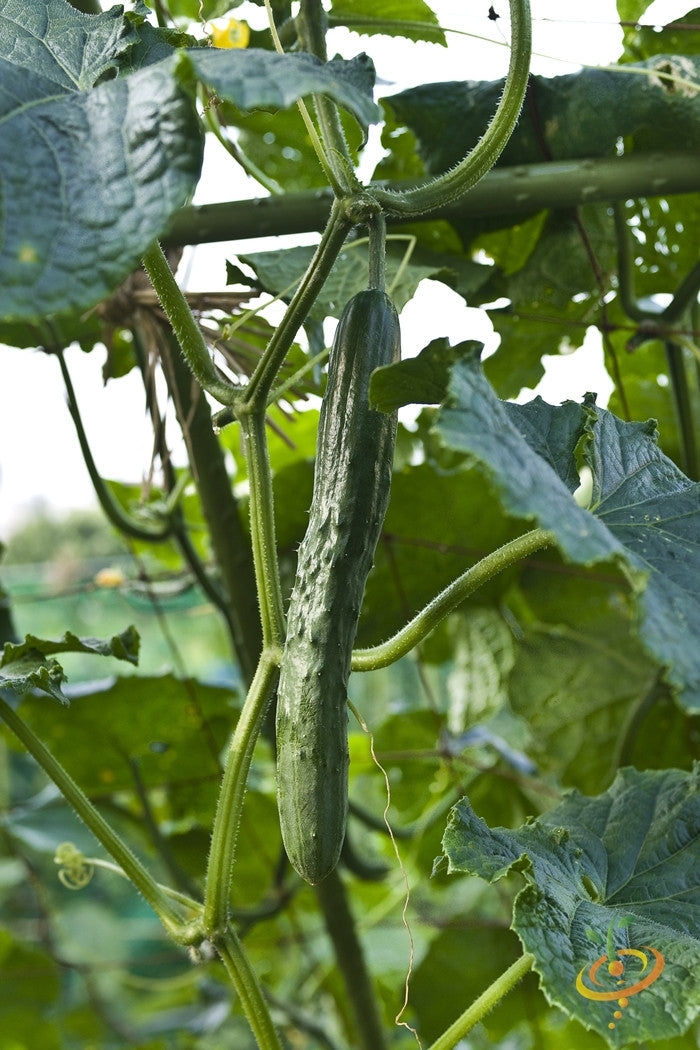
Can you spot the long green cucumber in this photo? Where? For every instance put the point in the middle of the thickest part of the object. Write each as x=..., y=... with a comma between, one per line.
x=352, y=477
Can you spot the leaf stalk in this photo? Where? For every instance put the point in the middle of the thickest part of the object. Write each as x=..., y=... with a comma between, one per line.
x=454, y=183
x=414, y=632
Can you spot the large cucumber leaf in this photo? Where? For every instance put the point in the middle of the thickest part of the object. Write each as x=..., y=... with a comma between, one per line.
x=91, y=168
x=611, y=879
x=98, y=153
x=644, y=515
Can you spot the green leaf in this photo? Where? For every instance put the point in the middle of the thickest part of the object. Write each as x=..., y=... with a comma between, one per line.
x=580, y=114
x=280, y=271
x=34, y=671
x=646, y=513
x=532, y=486
x=632, y=853
x=171, y=730
x=91, y=169
x=385, y=12
x=421, y=380
x=258, y=79
x=279, y=145
x=124, y=646
x=645, y=40
x=26, y=666
x=631, y=10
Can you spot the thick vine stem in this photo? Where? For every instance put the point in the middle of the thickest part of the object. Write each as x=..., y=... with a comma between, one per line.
x=332, y=898
x=158, y=898
x=234, y=958
x=312, y=24
x=311, y=283
x=452, y=184
x=262, y=527
x=377, y=252
x=428, y=618
x=184, y=326
x=484, y=1004
x=228, y=811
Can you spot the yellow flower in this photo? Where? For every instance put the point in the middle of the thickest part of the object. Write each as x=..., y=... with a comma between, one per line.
x=109, y=578
x=233, y=34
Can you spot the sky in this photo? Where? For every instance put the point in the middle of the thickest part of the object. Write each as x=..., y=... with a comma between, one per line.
x=40, y=462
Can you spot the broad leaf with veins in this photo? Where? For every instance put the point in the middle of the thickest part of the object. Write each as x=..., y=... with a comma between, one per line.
x=614, y=878
x=644, y=514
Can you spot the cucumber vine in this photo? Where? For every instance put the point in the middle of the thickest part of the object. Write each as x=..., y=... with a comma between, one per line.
x=296, y=657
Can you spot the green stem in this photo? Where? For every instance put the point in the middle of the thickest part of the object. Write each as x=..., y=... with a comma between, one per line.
x=184, y=325
x=113, y=510
x=316, y=143
x=428, y=618
x=486, y=1002
x=350, y=959
x=312, y=21
x=262, y=527
x=684, y=409
x=311, y=283
x=685, y=296
x=249, y=991
x=452, y=184
x=625, y=267
x=293, y=380
x=158, y=899
x=236, y=153
x=377, y=252
x=230, y=804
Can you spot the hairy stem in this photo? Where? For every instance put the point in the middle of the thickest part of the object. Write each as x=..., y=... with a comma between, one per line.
x=332, y=897
x=158, y=899
x=311, y=283
x=452, y=184
x=249, y=991
x=312, y=21
x=428, y=618
x=377, y=252
x=486, y=1002
x=262, y=527
x=230, y=804
x=326, y=166
x=184, y=325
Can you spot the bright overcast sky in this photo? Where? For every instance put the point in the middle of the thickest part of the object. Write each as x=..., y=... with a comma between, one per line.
x=39, y=455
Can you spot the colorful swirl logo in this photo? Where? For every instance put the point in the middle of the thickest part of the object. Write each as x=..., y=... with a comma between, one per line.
x=616, y=969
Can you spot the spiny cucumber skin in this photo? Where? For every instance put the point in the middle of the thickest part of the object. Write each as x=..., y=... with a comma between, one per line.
x=351, y=493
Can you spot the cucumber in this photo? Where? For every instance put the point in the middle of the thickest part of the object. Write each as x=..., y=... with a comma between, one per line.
x=352, y=477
